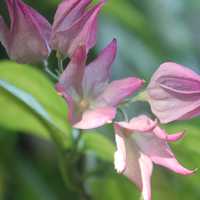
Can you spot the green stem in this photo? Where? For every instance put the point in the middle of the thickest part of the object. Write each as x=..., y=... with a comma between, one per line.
x=46, y=68
x=64, y=168
x=68, y=163
x=77, y=137
x=60, y=62
x=142, y=97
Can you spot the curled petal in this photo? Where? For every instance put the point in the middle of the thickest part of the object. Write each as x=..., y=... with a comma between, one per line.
x=171, y=163
x=141, y=123
x=159, y=152
x=170, y=138
x=139, y=149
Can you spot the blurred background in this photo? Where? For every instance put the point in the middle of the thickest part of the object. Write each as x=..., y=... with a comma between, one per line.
x=148, y=33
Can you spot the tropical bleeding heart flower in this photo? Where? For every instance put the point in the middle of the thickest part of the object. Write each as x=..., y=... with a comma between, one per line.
x=27, y=39
x=140, y=143
x=174, y=93
x=92, y=100
x=74, y=25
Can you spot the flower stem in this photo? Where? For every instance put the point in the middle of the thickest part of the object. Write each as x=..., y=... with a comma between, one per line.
x=46, y=68
x=142, y=97
x=60, y=62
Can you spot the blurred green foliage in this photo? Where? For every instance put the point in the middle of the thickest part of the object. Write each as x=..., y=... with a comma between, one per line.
x=148, y=33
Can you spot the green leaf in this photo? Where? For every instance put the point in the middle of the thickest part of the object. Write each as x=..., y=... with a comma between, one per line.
x=31, y=87
x=99, y=144
x=27, y=99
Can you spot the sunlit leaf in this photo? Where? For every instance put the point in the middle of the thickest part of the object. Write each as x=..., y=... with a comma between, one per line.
x=37, y=92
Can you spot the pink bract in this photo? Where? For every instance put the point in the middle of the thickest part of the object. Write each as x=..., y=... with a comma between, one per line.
x=140, y=143
x=91, y=98
x=174, y=93
x=75, y=25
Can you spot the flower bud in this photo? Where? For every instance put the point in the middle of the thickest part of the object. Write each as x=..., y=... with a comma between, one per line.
x=174, y=93
x=27, y=39
x=74, y=25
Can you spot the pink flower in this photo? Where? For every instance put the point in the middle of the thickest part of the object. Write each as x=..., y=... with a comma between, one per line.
x=74, y=25
x=27, y=39
x=140, y=143
x=92, y=100
x=174, y=93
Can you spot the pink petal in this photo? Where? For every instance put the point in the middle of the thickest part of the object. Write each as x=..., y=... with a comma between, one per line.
x=74, y=113
x=120, y=155
x=178, y=78
x=42, y=24
x=193, y=113
x=68, y=12
x=159, y=152
x=72, y=76
x=87, y=35
x=141, y=123
x=28, y=32
x=96, y=117
x=97, y=73
x=145, y=124
x=116, y=91
x=134, y=164
x=146, y=167
x=82, y=32
x=174, y=87
x=170, y=138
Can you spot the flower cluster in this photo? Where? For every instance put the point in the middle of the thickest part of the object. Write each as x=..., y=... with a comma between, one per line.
x=93, y=101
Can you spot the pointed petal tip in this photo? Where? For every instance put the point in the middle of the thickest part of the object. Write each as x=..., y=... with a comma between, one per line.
x=113, y=45
x=187, y=172
x=175, y=137
x=114, y=41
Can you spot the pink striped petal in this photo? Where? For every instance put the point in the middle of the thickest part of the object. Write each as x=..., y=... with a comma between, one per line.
x=174, y=87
